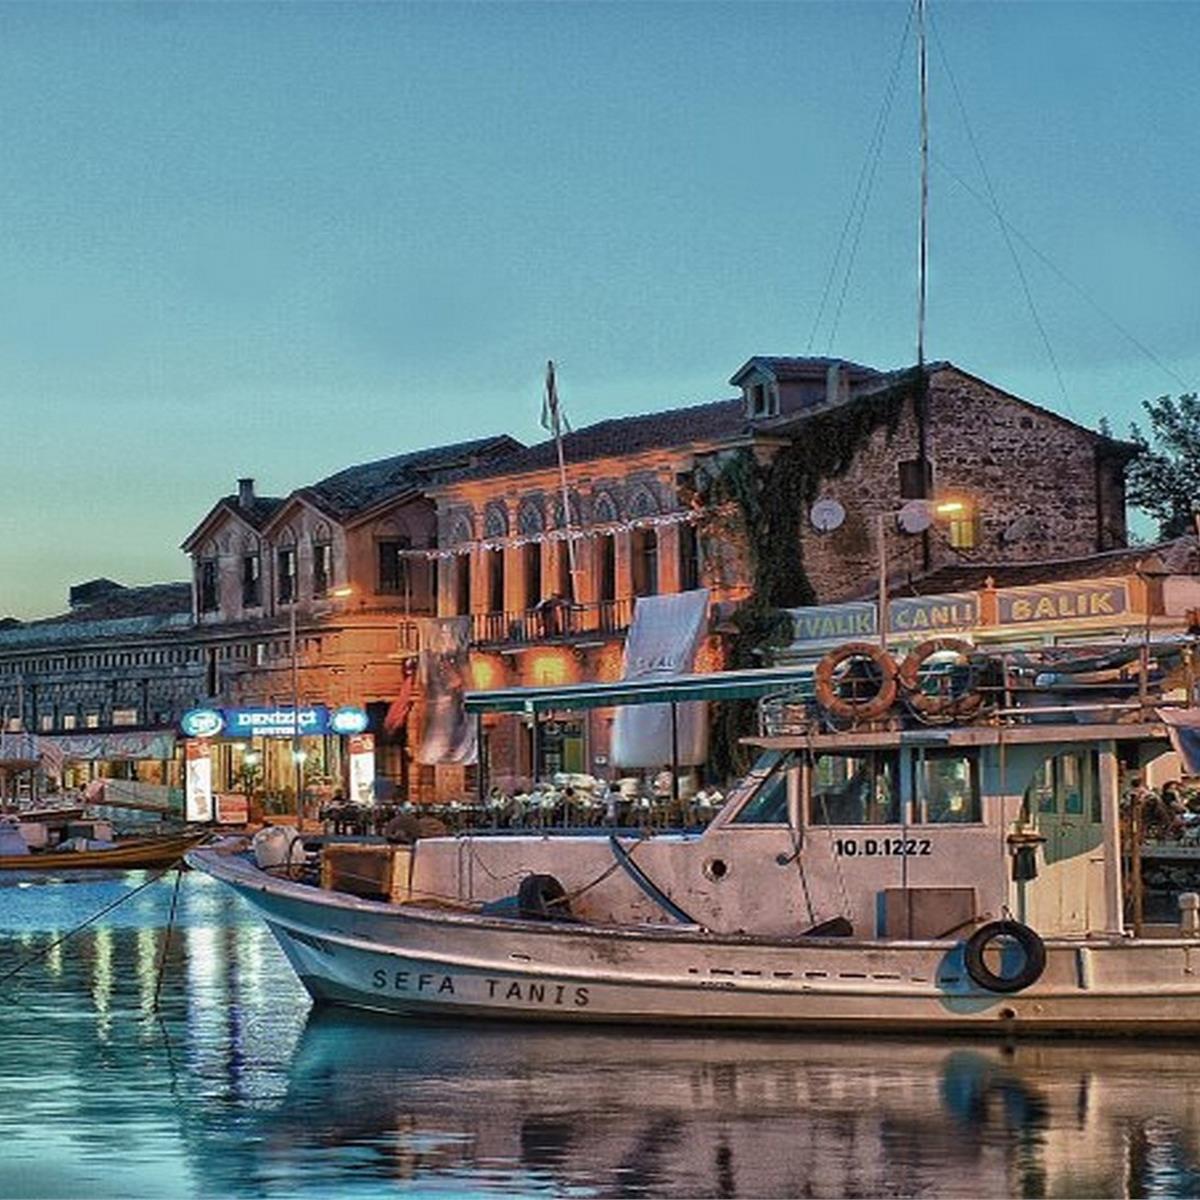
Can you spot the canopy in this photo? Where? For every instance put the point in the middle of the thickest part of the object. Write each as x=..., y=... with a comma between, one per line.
x=716, y=685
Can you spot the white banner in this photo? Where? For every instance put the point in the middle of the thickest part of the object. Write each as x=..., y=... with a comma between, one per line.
x=663, y=640
x=362, y=768
x=198, y=797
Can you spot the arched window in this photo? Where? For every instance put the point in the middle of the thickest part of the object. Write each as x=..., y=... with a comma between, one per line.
x=286, y=567
x=495, y=521
x=604, y=509
x=643, y=502
x=322, y=558
x=530, y=518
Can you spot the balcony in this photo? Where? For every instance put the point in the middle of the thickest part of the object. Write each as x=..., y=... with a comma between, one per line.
x=552, y=622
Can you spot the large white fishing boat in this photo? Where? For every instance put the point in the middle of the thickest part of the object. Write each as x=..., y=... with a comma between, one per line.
x=929, y=845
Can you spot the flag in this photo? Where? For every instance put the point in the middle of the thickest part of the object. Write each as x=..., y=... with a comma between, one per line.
x=553, y=417
x=398, y=710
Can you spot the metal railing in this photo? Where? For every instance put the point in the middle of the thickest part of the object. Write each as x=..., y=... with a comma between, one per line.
x=552, y=621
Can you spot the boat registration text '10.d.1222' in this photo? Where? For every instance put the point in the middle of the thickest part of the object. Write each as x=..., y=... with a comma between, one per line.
x=894, y=847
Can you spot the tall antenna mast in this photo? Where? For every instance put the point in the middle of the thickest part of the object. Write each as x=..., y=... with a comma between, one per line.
x=922, y=400
x=924, y=248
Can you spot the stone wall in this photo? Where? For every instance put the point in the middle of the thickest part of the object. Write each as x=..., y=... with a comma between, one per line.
x=1041, y=488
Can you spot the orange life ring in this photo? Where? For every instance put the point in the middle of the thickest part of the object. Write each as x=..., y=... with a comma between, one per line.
x=853, y=709
x=964, y=705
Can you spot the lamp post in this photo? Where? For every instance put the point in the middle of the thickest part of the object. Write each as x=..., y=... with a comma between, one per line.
x=297, y=754
x=945, y=508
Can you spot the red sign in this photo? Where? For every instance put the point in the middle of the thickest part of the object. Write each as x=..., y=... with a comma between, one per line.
x=233, y=808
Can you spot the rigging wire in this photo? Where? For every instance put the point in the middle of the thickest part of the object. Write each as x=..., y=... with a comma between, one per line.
x=866, y=176
x=995, y=205
x=1050, y=265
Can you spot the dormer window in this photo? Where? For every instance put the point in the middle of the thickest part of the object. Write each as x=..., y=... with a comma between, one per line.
x=762, y=400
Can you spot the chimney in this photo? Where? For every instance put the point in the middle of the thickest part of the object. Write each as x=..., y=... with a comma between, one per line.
x=245, y=493
x=834, y=381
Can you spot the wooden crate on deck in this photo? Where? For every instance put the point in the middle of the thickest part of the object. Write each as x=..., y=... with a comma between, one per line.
x=376, y=872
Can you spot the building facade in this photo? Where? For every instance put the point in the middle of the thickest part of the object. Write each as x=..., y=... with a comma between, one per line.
x=319, y=596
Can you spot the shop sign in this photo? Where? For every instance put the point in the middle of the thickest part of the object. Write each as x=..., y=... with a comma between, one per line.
x=198, y=793
x=362, y=768
x=829, y=622
x=233, y=808
x=933, y=614
x=202, y=722
x=271, y=722
x=908, y=614
x=348, y=720
x=1087, y=601
x=276, y=722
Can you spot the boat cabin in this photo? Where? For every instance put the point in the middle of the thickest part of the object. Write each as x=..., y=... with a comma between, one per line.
x=899, y=826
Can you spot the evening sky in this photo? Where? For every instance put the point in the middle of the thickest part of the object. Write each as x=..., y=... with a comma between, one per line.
x=277, y=240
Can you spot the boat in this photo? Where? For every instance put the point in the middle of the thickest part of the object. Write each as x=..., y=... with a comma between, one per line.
x=127, y=854
x=903, y=870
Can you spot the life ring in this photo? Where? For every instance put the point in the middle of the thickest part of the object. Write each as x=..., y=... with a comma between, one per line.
x=542, y=898
x=1032, y=947
x=964, y=705
x=850, y=708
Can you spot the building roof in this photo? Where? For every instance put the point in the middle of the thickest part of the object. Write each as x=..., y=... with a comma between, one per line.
x=1178, y=556
x=355, y=489
x=157, y=607
x=788, y=367
x=628, y=435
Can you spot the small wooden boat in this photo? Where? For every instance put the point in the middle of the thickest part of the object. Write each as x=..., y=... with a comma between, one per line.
x=124, y=856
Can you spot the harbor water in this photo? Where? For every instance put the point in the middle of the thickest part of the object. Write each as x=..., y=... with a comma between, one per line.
x=237, y=1088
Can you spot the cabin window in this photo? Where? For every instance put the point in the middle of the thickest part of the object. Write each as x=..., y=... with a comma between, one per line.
x=946, y=787
x=769, y=805
x=855, y=789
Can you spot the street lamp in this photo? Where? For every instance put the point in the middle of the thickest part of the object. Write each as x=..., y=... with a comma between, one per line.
x=299, y=756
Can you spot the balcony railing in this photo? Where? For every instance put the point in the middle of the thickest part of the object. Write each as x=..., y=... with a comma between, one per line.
x=552, y=622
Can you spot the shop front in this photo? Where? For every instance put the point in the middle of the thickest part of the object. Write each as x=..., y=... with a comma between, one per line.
x=259, y=757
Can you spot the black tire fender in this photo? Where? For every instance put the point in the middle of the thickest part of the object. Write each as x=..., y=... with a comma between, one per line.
x=1032, y=946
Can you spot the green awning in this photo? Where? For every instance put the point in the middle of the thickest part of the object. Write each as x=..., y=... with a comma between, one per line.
x=678, y=689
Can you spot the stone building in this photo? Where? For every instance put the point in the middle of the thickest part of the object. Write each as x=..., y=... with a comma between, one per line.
x=318, y=594
x=652, y=498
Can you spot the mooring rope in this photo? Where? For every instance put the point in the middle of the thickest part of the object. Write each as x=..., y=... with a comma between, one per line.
x=37, y=955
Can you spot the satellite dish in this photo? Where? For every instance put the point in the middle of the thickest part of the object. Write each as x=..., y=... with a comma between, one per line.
x=1020, y=530
x=915, y=517
x=826, y=515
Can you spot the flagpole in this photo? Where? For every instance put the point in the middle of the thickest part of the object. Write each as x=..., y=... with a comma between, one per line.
x=556, y=426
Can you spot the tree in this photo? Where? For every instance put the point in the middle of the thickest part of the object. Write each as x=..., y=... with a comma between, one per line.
x=1164, y=479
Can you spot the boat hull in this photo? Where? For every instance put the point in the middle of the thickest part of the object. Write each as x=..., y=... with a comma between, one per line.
x=406, y=960
x=134, y=855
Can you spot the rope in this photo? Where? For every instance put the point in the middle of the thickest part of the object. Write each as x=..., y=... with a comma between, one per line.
x=162, y=961
x=40, y=954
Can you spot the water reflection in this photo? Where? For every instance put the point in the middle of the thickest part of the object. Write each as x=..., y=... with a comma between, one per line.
x=238, y=1091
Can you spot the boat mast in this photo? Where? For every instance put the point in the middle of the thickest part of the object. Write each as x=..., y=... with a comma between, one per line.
x=922, y=404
